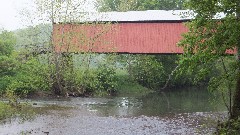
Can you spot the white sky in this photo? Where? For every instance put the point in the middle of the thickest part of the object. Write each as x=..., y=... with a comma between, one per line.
x=10, y=18
x=9, y=13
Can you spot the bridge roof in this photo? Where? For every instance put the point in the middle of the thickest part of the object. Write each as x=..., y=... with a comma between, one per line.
x=135, y=16
x=148, y=15
x=132, y=16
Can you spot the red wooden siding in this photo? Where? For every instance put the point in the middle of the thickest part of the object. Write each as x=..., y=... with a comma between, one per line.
x=150, y=37
x=120, y=37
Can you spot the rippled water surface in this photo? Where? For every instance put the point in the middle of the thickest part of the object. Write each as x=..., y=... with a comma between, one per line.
x=175, y=112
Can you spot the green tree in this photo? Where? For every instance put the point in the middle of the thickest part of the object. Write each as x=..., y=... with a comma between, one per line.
x=127, y=5
x=206, y=43
x=161, y=4
x=7, y=42
x=20, y=73
x=7, y=63
x=118, y=5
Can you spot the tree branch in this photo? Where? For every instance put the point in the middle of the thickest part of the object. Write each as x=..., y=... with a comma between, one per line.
x=169, y=77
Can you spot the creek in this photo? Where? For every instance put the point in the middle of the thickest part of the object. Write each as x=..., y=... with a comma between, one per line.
x=173, y=112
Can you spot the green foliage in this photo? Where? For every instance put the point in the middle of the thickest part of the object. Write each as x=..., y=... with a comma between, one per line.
x=106, y=79
x=126, y=5
x=7, y=41
x=206, y=43
x=20, y=72
x=147, y=71
x=31, y=76
x=152, y=71
x=169, y=63
x=127, y=86
x=90, y=78
x=161, y=4
x=88, y=81
x=81, y=81
x=208, y=39
x=225, y=79
x=6, y=111
x=18, y=76
x=100, y=81
x=231, y=127
x=7, y=65
x=22, y=111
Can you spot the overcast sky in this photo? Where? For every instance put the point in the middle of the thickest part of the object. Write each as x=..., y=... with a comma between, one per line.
x=9, y=13
x=10, y=18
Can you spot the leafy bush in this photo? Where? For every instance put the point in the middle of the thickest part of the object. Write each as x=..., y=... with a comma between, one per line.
x=19, y=73
x=7, y=41
x=106, y=79
x=100, y=77
x=81, y=81
x=30, y=77
x=149, y=72
x=127, y=86
x=100, y=80
x=231, y=127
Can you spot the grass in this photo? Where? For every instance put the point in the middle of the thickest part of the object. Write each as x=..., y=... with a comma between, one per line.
x=6, y=111
x=22, y=111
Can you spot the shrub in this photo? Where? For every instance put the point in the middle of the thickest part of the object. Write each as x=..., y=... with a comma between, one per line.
x=149, y=72
x=30, y=77
x=231, y=127
x=106, y=79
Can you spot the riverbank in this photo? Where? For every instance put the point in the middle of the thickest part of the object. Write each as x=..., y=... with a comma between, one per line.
x=8, y=111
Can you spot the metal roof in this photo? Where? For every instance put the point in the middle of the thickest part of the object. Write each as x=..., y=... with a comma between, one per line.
x=148, y=15
x=129, y=16
x=133, y=16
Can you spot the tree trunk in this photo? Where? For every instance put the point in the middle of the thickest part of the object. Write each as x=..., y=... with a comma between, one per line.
x=236, y=100
x=57, y=77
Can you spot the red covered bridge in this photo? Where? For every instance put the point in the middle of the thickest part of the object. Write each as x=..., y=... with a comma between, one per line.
x=122, y=32
x=150, y=32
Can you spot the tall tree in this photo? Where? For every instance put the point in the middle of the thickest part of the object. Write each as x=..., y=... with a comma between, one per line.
x=46, y=13
x=68, y=15
x=214, y=29
x=127, y=5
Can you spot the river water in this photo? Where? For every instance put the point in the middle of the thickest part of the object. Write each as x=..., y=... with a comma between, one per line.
x=174, y=112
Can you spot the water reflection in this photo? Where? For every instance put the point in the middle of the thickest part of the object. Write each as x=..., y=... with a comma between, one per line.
x=160, y=104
